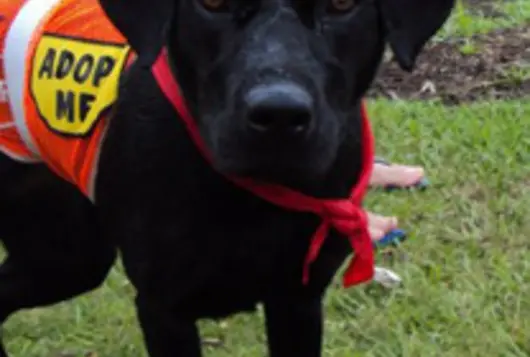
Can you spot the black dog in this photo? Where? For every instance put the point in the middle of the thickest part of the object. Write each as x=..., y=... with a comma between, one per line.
x=275, y=87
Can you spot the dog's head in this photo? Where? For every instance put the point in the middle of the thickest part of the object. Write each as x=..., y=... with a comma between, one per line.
x=275, y=84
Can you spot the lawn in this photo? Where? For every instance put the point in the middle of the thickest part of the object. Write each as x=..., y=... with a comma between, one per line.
x=466, y=266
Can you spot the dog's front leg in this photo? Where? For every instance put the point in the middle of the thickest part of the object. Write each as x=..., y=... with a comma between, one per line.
x=294, y=326
x=166, y=334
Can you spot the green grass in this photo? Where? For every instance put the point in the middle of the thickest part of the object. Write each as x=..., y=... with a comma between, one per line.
x=467, y=278
x=464, y=23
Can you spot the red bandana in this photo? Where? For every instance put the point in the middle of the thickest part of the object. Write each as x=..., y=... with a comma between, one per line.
x=345, y=215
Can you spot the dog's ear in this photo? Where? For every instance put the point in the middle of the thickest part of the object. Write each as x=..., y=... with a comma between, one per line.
x=411, y=23
x=144, y=24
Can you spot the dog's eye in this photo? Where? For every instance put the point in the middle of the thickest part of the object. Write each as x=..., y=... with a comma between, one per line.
x=215, y=5
x=339, y=6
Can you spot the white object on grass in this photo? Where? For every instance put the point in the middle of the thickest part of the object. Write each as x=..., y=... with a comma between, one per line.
x=386, y=277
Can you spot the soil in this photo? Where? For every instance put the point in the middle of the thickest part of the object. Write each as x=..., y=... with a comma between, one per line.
x=485, y=67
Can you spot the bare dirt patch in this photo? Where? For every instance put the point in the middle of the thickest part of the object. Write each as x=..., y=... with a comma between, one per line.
x=485, y=67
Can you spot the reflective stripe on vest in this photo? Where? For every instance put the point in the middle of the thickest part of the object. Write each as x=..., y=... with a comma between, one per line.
x=16, y=47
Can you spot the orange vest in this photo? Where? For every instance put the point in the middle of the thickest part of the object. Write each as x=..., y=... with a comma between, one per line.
x=61, y=65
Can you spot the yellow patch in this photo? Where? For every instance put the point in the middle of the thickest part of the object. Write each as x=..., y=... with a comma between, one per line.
x=74, y=80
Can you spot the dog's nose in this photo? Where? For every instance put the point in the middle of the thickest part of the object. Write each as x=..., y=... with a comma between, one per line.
x=279, y=108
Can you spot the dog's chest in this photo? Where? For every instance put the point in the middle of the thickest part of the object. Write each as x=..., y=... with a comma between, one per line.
x=245, y=258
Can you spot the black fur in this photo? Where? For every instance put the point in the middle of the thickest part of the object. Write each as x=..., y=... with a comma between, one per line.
x=193, y=244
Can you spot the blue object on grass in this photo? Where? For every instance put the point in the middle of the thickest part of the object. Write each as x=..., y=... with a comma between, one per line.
x=392, y=238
